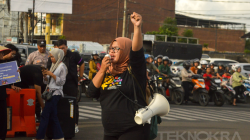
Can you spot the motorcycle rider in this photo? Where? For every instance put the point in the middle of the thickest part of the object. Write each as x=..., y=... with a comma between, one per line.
x=211, y=65
x=196, y=62
x=164, y=68
x=202, y=70
x=237, y=83
x=186, y=80
x=153, y=69
x=220, y=71
x=151, y=58
x=170, y=63
x=207, y=80
x=155, y=60
x=159, y=60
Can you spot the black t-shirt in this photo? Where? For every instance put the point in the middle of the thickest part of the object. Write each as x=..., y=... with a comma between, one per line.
x=117, y=111
x=30, y=75
x=221, y=71
x=49, y=63
x=201, y=71
x=71, y=60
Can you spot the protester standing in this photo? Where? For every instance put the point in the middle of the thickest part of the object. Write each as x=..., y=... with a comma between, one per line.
x=117, y=111
x=93, y=65
x=49, y=60
x=3, y=95
x=71, y=60
x=55, y=78
x=14, y=55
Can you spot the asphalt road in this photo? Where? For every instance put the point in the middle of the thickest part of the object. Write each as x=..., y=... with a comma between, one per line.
x=184, y=122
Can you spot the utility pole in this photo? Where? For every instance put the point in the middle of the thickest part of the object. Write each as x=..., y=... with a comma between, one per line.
x=124, y=18
x=41, y=24
x=117, y=18
x=33, y=17
x=47, y=31
x=18, y=28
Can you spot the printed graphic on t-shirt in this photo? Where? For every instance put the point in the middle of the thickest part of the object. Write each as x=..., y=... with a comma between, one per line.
x=111, y=82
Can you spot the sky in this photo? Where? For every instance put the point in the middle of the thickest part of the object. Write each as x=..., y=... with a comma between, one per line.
x=224, y=10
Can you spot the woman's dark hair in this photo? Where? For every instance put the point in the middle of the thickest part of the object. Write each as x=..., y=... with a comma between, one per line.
x=18, y=56
x=55, y=43
x=61, y=42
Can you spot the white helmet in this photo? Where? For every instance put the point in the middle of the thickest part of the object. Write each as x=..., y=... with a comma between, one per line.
x=204, y=62
x=235, y=67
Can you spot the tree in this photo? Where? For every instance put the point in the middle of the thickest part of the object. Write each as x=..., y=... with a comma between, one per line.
x=247, y=45
x=62, y=37
x=205, y=45
x=188, y=33
x=168, y=28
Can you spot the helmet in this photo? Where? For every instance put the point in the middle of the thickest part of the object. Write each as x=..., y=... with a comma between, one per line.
x=236, y=67
x=220, y=64
x=159, y=56
x=146, y=56
x=203, y=62
x=170, y=62
x=211, y=64
x=95, y=53
x=155, y=59
x=151, y=56
x=165, y=58
x=186, y=64
x=196, y=60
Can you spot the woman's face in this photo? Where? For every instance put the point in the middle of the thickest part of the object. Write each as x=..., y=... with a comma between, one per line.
x=53, y=60
x=115, y=55
x=239, y=70
x=95, y=57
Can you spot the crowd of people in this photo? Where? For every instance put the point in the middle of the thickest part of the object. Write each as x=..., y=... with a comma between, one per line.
x=161, y=65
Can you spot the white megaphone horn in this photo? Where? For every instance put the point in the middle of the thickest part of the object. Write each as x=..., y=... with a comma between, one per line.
x=158, y=106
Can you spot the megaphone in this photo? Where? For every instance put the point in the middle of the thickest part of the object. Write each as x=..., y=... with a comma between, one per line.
x=158, y=106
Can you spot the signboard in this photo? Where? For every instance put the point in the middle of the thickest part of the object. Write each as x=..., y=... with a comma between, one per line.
x=149, y=37
x=11, y=39
x=8, y=73
x=9, y=118
x=42, y=6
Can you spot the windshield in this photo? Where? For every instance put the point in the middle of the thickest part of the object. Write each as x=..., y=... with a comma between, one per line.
x=31, y=50
x=179, y=63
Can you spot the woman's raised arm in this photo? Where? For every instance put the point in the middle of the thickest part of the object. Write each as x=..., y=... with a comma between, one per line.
x=137, y=43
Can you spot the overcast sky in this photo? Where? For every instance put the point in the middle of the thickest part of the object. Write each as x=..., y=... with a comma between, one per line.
x=223, y=10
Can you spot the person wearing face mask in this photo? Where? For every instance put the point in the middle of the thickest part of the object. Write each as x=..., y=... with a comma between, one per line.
x=202, y=70
x=186, y=80
x=114, y=79
x=3, y=95
x=55, y=79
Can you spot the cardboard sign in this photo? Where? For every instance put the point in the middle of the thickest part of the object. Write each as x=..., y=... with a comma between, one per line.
x=8, y=73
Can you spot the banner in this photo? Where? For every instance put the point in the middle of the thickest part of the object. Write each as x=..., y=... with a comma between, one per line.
x=8, y=73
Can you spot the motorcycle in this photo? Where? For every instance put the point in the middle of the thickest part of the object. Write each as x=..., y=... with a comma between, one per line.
x=246, y=84
x=83, y=86
x=228, y=90
x=155, y=82
x=175, y=91
x=215, y=91
x=200, y=94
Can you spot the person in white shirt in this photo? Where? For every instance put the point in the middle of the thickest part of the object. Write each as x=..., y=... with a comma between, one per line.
x=55, y=78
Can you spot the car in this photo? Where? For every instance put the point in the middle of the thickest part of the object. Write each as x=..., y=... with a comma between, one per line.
x=204, y=56
x=25, y=51
x=245, y=68
x=217, y=61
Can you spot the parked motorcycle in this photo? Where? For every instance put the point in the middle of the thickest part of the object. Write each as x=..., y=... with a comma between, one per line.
x=175, y=91
x=215, y=92
x=200, y=94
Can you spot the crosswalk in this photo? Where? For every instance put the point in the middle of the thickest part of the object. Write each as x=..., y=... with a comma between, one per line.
x=177, y=114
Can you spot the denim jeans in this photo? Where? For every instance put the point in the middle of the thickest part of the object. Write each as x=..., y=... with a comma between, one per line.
x=49, y=114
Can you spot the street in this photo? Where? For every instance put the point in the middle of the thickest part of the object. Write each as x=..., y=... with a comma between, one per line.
x=184, y=122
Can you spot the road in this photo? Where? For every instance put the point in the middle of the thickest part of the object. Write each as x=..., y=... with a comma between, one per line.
x=184, y=122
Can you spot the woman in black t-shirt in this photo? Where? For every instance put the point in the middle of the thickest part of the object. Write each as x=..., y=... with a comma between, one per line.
x=117, y=111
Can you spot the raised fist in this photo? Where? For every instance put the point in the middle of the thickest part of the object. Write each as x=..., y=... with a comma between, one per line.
x=136, y=19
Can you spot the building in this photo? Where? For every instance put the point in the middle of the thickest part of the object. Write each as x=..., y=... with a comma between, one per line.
x=97, y=20
x=219, y=35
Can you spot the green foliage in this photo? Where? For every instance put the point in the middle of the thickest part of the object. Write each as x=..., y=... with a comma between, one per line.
x=247, y=46
x=247, y=51
x=169, y=28
x=205, y=45
x=62, y=37
x=188, y=33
